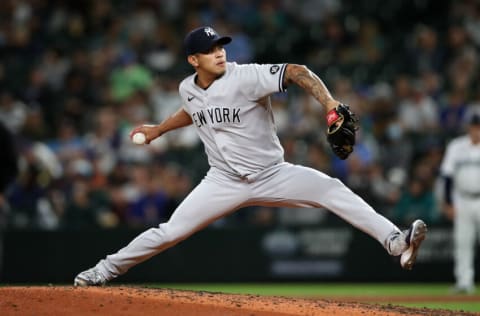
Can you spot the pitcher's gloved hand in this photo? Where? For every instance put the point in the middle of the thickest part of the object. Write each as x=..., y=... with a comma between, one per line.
x=342, y=125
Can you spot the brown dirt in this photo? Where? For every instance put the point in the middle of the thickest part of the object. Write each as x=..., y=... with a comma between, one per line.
x=57, y=300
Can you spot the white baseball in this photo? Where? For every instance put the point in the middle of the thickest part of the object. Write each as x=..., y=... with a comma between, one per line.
x=139, y=138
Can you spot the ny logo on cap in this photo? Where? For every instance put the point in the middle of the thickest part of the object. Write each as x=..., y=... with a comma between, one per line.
x=209, y=31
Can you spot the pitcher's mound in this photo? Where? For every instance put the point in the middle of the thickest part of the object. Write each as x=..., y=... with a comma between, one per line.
x=57, y=300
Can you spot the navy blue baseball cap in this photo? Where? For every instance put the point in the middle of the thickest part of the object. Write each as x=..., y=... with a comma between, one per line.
x=201, y=39
x=475, y=119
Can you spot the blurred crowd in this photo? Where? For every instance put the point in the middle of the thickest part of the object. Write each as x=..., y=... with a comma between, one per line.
x=76, y=76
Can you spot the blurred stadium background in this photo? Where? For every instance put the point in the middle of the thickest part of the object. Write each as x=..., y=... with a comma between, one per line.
x=76, y=76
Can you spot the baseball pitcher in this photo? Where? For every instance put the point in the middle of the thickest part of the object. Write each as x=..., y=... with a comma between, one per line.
x=229, y=106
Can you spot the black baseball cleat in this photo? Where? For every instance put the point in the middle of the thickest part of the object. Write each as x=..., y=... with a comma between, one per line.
x=415, y=235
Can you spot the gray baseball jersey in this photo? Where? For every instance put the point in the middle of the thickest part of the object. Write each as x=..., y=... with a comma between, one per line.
x=234, y=118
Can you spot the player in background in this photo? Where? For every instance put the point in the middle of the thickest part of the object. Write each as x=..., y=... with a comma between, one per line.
x=461, y=172
x=229, y=106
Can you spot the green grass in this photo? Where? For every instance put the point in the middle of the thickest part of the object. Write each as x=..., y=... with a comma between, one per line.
x=315, y=289
x=332, y=290
x=457, y=306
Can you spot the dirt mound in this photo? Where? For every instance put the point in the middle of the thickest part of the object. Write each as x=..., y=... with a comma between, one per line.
x=57, y=300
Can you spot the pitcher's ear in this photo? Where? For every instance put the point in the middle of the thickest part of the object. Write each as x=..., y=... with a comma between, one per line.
x=193, y=60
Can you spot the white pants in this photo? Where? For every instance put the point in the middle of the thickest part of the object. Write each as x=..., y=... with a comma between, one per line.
x=465, y=231
x=219, y=194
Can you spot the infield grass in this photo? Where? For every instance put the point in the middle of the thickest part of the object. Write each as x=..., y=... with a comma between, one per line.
x=436, y=296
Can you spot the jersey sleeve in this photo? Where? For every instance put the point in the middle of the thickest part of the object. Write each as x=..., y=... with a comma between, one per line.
x=264, y=79
x=448, y=164
x=182, y=93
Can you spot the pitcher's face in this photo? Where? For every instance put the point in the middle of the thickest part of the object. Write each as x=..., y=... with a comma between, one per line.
x=213, y=61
